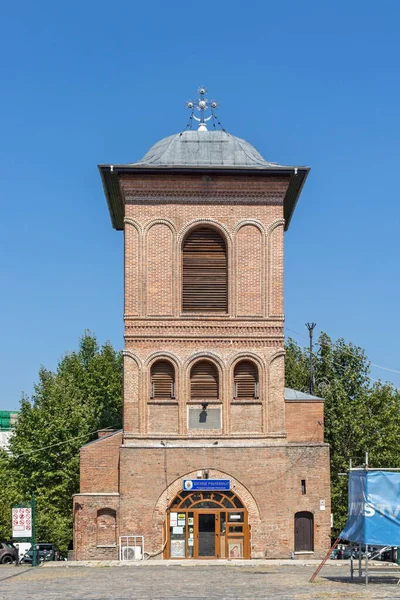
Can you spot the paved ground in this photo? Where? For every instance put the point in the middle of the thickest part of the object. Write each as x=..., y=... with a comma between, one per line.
x=192, y=582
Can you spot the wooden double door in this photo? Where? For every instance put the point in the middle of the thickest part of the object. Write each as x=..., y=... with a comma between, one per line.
x=207, y=524
x=209, y=534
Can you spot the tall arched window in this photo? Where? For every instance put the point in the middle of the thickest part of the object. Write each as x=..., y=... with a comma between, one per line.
x=162, y=380
x=245, y=380
x=204, y=381
x=205, y=272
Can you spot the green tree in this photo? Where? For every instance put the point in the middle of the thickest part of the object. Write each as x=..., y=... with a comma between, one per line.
x=359, y=416
x=65, y=412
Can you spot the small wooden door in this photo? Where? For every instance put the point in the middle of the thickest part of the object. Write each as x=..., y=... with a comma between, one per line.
x=303, y=532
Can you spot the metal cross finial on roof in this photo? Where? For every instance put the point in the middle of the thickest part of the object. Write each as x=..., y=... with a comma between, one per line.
x=202, y=104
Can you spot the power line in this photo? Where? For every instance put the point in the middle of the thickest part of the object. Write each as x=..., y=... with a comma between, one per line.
x=350, y=354
x=64, y=442
x=345, y=352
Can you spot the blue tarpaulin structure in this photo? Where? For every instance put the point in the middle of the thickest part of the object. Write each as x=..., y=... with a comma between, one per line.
x=374, y=508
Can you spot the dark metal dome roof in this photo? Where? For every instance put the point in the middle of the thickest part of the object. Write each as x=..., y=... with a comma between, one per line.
x=204, y=149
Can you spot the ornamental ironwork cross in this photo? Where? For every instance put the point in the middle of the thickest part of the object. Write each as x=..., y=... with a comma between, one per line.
x=202, y=105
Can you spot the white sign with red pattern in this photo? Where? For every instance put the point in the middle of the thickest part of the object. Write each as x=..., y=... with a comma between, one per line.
x=22, y=522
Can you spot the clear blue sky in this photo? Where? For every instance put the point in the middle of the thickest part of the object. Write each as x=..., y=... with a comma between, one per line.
x=314, y=83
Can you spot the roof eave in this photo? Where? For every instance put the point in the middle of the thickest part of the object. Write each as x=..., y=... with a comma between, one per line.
x=295, y=187
x=110, y=179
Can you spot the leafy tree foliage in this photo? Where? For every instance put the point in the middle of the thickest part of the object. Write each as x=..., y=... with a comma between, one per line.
x=85, y=394
x=359, y=416
x=65, y=412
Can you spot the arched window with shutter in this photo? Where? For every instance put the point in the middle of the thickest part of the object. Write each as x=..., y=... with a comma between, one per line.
x=245, y=380
x=204, y=272
x=204, y=381
x=162, y=380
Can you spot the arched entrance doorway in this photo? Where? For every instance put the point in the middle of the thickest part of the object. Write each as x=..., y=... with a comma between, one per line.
x=207, y=525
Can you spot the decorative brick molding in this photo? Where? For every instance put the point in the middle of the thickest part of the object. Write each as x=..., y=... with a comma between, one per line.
x=159, y=355
x=194, y=223
x=135, y=224
x=212, y=197
x=274, y=224
x=275, y=268
x=193, y=341
x=253, y=222
x=207, y=355
x=160, y=221
x=174, y=488
x=216, y=331
x=134, y=357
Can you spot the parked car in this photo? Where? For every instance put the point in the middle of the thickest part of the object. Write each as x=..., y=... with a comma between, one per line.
x=46, y=552
x=343, y=553
x=8, y=553
x=363, y=554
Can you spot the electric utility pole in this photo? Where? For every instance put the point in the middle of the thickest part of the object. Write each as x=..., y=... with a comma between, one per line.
x=310, y=327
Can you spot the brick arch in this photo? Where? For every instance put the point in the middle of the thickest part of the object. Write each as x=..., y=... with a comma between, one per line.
x=133, y=223
x=160, y=355
x=176, y=486
x=224, y=232
x=155, y=357
x=275, y=355
x=153, y=222
x=106, y=526
x=246, y=356
x=253, y=222
x=257, y=360
x=195, y=223
x=158, y=283
x=206, y=355
x=133, y=274
x=275, y=266
x=210, y=357
x=134, y=357
x=275, y=389
x=274, y=225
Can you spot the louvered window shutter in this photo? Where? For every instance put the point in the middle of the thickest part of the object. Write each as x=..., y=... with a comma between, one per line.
x=205, y=272
x=246, y=380
x=162, y=380
x=204, y=381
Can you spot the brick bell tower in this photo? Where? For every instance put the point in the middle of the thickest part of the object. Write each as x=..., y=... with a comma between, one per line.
x=216, y=458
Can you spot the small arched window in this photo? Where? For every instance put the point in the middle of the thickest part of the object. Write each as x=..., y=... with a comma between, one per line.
x=245, y=380
x=204, y=272
x=204, y=381
x=162, y=380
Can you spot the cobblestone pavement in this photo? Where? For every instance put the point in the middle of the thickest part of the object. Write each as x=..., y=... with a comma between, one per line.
x=186, y=583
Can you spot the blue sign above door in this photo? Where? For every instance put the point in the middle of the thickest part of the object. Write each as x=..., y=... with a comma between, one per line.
x=206, y=484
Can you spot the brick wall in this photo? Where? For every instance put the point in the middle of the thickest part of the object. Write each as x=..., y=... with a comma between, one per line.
x=137, y=475
x=305, y=421
x=270, y=487
x=99, y=464
x=248, y=212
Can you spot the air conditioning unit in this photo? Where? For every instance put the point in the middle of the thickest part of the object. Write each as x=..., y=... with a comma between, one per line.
x=131, y=553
